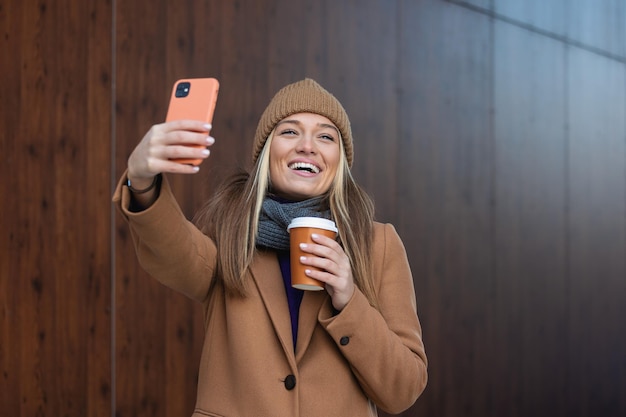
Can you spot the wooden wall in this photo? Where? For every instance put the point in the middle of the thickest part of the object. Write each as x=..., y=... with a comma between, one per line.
x=55, y=175
x=492, y=133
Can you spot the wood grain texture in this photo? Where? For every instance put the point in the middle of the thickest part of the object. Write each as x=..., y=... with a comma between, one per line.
x=362, y=71
x=156, y=344
x=55, y=101
x=444, y=200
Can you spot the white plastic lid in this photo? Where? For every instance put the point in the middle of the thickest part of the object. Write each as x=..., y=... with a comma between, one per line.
x=316, y=222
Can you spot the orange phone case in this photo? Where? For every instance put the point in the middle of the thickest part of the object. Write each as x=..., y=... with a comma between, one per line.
x=193, y=99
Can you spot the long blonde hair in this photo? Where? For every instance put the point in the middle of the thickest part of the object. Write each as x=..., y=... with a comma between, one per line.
x=231, y=219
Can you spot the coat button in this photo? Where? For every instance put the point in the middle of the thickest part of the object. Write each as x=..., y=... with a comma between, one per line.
x=344, y=340
x=290, y=382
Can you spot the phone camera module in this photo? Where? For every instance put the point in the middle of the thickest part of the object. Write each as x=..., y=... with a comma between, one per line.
x=182, y=89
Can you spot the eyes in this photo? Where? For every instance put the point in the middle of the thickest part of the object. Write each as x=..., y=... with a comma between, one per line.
x=290, y=132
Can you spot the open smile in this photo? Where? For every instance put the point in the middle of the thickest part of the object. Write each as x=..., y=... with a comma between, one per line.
x=305, y=166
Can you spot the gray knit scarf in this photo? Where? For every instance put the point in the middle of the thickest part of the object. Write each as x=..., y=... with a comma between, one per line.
x=276, y=215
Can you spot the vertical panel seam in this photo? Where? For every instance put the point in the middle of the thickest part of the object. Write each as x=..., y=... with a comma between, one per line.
x=494, y=155
x=567, y=203
x=622, y=12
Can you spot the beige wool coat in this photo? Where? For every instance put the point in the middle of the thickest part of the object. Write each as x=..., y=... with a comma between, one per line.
x=345, y=365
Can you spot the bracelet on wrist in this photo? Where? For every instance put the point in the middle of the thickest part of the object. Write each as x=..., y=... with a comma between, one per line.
x=145, y=190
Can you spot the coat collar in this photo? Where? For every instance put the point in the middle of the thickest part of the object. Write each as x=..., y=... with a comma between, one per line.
x=268, y=279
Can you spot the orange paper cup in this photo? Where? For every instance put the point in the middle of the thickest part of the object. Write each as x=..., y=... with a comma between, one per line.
x=300, y=231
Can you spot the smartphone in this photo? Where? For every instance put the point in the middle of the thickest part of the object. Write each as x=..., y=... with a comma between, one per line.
x=193, y=99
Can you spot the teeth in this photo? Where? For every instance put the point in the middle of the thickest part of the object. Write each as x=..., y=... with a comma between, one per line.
x=304, y=165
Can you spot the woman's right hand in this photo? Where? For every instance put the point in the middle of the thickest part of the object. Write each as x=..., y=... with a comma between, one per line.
x=162, y=144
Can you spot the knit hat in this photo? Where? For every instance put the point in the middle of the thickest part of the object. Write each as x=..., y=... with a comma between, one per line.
x=305, y=96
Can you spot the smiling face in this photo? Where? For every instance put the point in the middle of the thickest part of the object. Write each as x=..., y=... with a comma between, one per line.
x=304, y=156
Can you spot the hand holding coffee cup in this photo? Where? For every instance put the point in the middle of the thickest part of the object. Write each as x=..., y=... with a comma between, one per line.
x=300, y=231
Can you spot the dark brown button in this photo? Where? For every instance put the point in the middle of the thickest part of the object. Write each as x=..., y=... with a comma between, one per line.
x=344, y=340
x=290, y=382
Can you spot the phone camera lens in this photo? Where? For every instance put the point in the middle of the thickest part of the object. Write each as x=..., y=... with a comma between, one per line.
x=182, y=89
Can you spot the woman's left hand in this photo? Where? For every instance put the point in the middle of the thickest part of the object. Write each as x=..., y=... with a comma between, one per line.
x=335, y=273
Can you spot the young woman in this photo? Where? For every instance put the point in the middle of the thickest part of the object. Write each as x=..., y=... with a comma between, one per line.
x=269, y=349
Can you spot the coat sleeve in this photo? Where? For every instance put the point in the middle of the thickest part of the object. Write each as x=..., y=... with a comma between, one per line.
x=168, y=246
x=384, y=348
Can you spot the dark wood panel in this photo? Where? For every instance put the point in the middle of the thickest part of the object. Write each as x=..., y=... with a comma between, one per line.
x=361, y=69
x=97, y=241
x=13, y=236
x=297, y=38
x=56, y=271
x=444, y=173
x=151, y=368
x=242, y=63
x=530, y=308
x=597, y=230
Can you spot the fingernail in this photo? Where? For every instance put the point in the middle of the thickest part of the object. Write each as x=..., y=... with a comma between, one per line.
x=303, y=245
x=206, y=152
x=208, y=126
x=314, y=236
x=302, y=258
x=210, y=140
x=196, y=169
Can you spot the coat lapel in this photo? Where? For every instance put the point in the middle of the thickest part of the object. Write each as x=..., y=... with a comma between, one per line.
x=268, y=279
x=312, y=302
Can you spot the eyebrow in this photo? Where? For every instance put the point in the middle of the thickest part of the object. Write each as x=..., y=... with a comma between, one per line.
x=299, y=123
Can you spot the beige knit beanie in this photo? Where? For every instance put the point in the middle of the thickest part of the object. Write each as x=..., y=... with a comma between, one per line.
x=305, y=96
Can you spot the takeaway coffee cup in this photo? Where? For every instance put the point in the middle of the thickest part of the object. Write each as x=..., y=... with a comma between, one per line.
x=300, y=231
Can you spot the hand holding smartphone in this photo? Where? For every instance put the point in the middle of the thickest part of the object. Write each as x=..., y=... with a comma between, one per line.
x=193, y=99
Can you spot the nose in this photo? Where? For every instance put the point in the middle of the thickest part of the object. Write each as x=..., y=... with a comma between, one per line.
x=306, y=144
